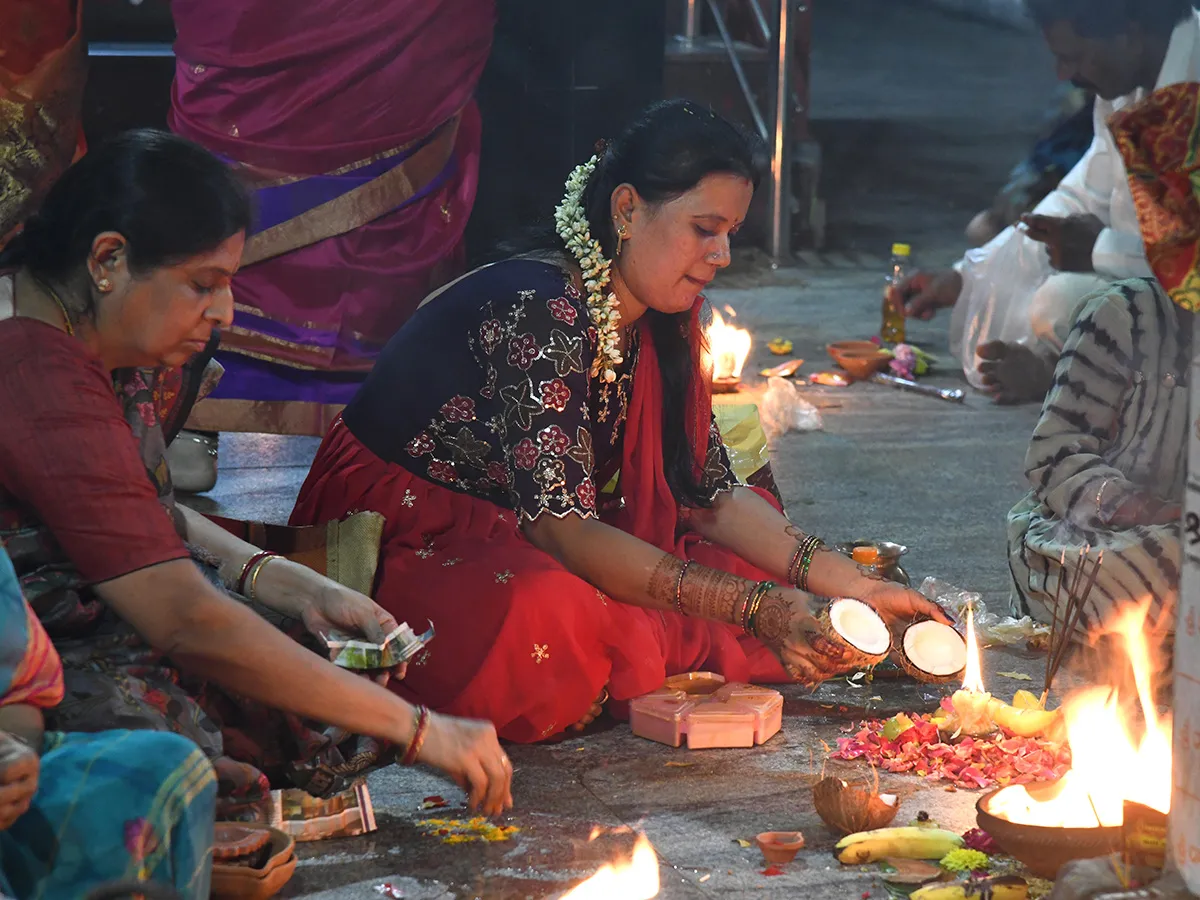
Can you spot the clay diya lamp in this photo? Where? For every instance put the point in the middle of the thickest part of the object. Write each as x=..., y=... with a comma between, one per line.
x=780, y=847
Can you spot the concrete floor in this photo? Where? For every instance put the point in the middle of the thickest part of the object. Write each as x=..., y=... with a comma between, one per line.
x=920, y=116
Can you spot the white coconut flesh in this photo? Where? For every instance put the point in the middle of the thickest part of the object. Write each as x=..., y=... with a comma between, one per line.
x=935, y=648
x=860, y=626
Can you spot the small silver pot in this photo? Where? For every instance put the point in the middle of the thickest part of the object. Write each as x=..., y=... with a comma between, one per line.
x=888, y=565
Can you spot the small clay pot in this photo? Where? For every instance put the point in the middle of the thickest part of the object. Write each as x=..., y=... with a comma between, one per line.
x=780, y=847
x=863, y=364
x=838, y=348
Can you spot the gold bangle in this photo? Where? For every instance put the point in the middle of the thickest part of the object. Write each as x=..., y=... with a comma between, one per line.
x=252, y=592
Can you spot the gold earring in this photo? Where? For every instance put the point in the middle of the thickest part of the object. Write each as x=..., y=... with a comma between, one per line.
x=622, y=236
x=104, y=285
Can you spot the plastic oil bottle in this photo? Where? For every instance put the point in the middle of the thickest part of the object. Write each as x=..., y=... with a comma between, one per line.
x=891, y=331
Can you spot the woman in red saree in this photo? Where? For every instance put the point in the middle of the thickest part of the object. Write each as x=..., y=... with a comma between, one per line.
x=495, y=417
x=355, y=122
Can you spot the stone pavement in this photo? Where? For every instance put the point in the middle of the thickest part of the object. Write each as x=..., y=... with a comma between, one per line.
x=920, y=117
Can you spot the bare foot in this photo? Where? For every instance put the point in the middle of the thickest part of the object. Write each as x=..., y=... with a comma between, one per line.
x=1012, y=373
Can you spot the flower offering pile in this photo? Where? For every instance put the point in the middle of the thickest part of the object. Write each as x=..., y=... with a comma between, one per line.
x=919, y=745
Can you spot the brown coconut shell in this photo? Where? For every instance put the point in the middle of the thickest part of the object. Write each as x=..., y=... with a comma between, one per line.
x=849, y=809
x=829, y=642
x=900, y=656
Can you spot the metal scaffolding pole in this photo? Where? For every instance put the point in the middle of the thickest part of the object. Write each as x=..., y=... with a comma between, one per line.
x=780, y=233
x=691, y=23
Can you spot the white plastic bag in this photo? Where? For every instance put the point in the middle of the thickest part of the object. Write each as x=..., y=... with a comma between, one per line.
x=999, y=281
x=783, y=410
x=990, y=629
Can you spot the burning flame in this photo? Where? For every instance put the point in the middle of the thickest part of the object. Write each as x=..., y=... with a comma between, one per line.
x=1109, y=765
x=728, y=345
x=973, y=676
x=635, y=879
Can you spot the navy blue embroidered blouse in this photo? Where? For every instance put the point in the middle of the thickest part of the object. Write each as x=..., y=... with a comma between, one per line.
x=487, y=391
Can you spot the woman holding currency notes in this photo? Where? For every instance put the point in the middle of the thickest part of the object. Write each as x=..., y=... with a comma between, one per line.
x=110, y=301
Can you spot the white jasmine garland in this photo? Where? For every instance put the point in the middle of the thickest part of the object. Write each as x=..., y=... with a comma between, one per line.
x=571, y=223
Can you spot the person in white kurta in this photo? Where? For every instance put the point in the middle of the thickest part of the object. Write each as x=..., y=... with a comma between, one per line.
x=1017, y=296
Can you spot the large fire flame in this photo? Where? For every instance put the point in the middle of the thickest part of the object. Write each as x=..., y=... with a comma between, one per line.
x=1109, y=763
x=728, y=345
x=632, y=879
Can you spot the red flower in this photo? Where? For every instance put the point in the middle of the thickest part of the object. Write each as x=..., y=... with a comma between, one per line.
x=555, y=394
x=420, y=445
x=459, y=409
x=573, y=292
x=561, y=309
x=499, y=473
x=522, y=351
x=490, y=334
x=443, y=471
x=525, y=454
x=586, y=492
x=554, y=440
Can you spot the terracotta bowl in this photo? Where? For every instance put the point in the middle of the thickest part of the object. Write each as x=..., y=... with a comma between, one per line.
x=780, y=847
x=254, y=877
x=1046, y=850
x=838, y=349
x=864, y=363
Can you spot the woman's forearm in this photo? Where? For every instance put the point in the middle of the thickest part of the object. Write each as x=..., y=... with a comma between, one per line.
x=745, y=523
x=281, y=585
x=631, y=571
x=213, y=636
x=24, y=722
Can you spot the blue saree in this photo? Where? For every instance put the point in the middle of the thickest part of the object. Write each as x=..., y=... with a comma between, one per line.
x=110, y=806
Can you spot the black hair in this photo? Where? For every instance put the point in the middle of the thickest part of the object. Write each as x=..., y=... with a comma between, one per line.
x=1109, y=18
x=169, y=198
x=664, y=153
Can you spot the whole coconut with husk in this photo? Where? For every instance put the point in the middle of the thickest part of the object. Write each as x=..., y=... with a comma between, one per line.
x=851, y=808
x=932, y=652
x=853, y=632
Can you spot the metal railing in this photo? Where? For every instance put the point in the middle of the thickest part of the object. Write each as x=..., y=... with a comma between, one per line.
x=778, y=133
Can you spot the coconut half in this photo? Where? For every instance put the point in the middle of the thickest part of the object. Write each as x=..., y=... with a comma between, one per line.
x=849, y=808
x=932, y=652
x=852, y=628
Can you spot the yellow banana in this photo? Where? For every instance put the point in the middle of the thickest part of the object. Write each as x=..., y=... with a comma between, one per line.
x=1022, y=722
x=901, y=843
x=1008, y=887
x=1026, y=700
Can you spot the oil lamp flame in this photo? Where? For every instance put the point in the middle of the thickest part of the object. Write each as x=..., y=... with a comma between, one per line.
x=1109, y=762
x=971, y=702
x=728, y=346
x=973, y=676
x=632, y=879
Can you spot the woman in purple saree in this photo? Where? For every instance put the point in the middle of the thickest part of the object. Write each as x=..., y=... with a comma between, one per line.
x=355, y=121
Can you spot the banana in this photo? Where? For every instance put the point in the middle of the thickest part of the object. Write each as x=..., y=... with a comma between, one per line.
x=902, y=843
x=1008, y=887
x=1022, y=722
x=1026, y=700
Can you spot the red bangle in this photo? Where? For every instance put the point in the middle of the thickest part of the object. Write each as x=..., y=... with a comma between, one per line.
x=248, y=568
x=414, y=746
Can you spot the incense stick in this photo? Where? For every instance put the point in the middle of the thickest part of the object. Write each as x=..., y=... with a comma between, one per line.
x=1058, y=586
x=1076, y=602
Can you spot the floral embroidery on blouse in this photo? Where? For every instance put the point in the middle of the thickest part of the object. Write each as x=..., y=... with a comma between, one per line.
x=533, y=431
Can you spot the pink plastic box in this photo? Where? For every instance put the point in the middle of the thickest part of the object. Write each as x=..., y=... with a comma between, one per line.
x=709, y=712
